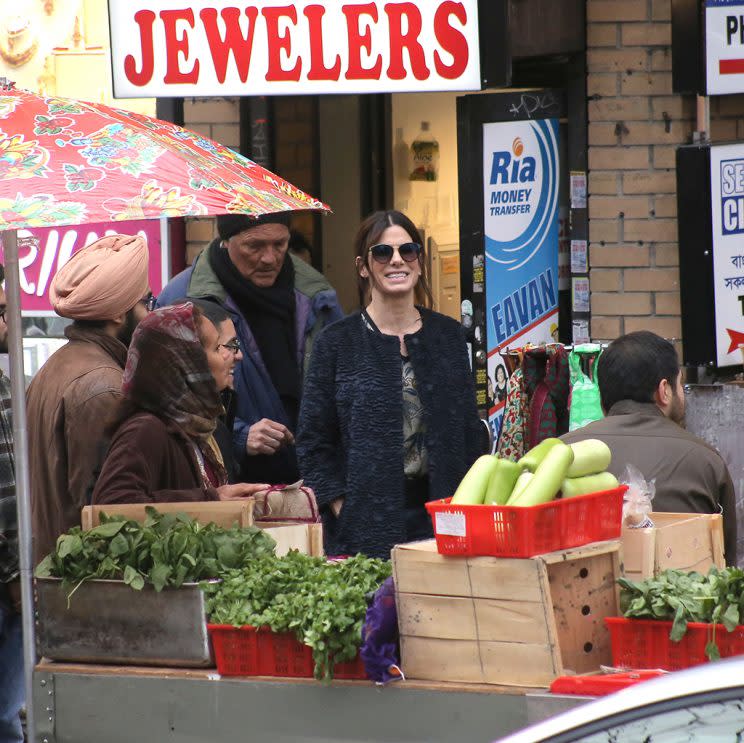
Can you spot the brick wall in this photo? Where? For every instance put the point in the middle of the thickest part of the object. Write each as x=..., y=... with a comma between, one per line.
x=635, y=125
x=219, y=119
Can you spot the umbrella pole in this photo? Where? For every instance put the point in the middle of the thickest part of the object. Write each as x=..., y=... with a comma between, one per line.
x=20, y=444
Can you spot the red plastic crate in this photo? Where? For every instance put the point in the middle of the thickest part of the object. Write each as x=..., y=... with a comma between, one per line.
x=526, y=531
x=599, y=684
x=248, y=651
x=645, y=643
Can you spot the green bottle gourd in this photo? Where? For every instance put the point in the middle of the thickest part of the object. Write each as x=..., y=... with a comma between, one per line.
x=502, y=482
x=472, y=488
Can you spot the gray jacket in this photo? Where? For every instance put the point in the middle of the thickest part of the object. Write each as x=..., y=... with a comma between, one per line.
x=691, y=477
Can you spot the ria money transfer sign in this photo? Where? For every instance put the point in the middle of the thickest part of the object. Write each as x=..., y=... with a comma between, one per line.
x=521, y=183
x=727, y=202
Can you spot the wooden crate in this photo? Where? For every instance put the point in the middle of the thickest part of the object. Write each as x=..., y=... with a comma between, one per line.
x=684, y=541
x=520, y=622
x=222, y=513
x=306, y=538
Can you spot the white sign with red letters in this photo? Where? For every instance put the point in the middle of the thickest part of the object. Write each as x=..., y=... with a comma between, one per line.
x=175, y=48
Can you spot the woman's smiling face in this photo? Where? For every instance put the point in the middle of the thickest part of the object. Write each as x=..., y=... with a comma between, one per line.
x=397, y=277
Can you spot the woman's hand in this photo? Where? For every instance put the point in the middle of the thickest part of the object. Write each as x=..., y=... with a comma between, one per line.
x=240, y=490
x=266, y=437
x=336, y=506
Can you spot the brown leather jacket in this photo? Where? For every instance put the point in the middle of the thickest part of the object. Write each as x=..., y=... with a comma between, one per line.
x=691, y=477
x=69, y=403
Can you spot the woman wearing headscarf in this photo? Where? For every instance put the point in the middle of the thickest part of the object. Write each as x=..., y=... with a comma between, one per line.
x=388, y=418
x=163, y=446
x=228, y=341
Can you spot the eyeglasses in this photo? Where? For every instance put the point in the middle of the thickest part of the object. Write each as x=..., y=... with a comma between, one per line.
x=383, y=253
x=149, y=300
x=233, y=345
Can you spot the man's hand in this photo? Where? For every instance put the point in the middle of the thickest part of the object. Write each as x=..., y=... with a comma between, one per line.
x=240, y=490
x=267, y=437
x=336, y=506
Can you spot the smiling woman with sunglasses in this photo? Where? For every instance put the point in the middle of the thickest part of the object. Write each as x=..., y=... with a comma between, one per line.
x=388, y=418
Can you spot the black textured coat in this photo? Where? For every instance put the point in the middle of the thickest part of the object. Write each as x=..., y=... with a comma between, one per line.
x=350, y=434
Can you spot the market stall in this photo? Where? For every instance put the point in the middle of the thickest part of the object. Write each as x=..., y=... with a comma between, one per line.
x=506, y=602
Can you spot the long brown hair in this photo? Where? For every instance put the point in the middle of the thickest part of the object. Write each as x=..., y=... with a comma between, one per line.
x=369, y=234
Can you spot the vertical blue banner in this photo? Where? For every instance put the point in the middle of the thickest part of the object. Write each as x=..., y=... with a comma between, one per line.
x=521, y=183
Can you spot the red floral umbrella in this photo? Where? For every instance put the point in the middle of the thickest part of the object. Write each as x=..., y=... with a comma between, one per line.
x=65, y=162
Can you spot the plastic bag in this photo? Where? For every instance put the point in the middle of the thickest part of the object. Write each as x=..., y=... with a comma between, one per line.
x=379, y=650
x=293, y=502
x=637, y=500
x=585, y=406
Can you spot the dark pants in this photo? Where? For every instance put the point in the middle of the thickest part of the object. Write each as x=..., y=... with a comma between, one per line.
x=418, y=521
x=12, y=692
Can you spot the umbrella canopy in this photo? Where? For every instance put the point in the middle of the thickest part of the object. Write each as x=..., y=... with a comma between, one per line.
x=66, y=162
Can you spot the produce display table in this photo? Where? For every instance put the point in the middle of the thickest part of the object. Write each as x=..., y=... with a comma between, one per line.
x=76, y=703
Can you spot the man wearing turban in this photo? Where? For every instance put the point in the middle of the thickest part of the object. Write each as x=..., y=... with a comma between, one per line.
x=104, y=289
x=278, y=304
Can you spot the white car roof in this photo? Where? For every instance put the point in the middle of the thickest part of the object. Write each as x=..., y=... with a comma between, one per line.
x=723, y=674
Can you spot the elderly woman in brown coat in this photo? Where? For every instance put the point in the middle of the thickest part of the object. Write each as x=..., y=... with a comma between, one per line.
x=163, y=446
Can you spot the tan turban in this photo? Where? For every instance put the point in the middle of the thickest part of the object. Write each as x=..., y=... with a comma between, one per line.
x=103, y=280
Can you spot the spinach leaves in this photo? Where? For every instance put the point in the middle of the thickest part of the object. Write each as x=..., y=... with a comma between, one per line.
x=165, y=550
x=716, y=598
x=322, y=603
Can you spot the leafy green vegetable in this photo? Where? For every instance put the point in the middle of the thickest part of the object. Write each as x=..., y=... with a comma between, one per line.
x=716, y=598
x=167, y=550
x=322, y=603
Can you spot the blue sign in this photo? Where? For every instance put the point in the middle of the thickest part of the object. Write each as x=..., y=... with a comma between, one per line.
x=521, y=184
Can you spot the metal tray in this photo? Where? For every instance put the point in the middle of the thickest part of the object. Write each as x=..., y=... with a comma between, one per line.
x=109, y=622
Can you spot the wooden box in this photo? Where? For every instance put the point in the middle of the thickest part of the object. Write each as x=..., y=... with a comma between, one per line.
x=684, y=541
x=306, y=538
x=494, y=620
x=222, y=513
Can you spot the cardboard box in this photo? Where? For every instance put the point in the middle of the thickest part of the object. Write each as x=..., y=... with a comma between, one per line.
x=684, y=541
x=494, y=620
x=306, y=538
x=222, y=513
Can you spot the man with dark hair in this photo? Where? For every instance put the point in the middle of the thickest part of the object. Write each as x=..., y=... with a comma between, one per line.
x=640, y=383
x=104, y=288
x=278, y=303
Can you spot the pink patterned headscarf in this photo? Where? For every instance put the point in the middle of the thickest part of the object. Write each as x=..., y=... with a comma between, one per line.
x=167, y=372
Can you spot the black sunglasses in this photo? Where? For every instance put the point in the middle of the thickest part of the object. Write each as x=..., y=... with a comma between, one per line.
x=383, y=253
